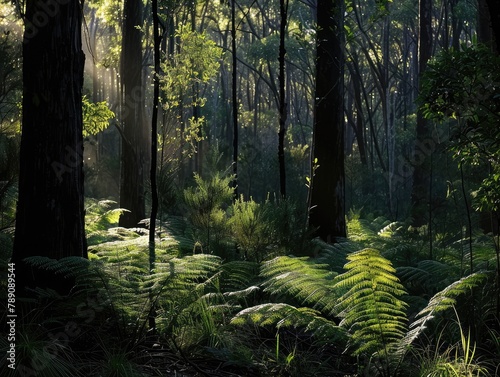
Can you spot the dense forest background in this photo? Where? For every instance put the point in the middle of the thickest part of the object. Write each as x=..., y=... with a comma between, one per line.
x=322, y=175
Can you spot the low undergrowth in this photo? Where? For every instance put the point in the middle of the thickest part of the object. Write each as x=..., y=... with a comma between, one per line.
x=373, y=305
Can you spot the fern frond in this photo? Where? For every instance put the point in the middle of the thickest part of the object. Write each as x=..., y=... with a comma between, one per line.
x=441, y=301
x=335, y=255
x=371, y=308
x=390, y=229
x=284, y=315
x=431, y=274
x=300, y=278
x=67, y=267
x=238, y=275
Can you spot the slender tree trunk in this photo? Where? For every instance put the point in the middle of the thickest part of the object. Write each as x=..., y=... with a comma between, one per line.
x=50, y=209
x=494, y=11
x=132, y=190
x=420, y=190
x=327, y=190
x=154, y=148
x=282, y=99
x=234, y=97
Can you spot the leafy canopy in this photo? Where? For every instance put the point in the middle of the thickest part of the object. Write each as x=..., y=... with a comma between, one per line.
x=465, y=85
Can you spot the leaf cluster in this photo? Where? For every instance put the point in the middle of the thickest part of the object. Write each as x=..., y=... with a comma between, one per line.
x=96, y=117
x=196, y=62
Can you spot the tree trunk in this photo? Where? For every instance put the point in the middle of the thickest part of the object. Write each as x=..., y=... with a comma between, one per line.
x=420, y=190
x=494, y=10
x=282, y=99
x=50, y=210
x=327, y=191
x=234, y=97
x=133, y=139
x=154, y=149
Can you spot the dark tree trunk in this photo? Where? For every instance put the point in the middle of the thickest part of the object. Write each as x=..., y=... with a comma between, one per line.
x=134, y=155
x=234, y=97
x=154, y=148
x=282, y=99
x=484, y=30
x=50, y=210
x=327, y=191
x=494, y=22
x=420, y=190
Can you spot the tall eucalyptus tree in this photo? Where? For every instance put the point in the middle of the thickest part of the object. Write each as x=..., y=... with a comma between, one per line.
x=50, y=210
x=420, y=190
x=134, y=136
x=327, y=188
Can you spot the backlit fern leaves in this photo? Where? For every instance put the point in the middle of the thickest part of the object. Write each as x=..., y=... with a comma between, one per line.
x=443, y=300
x=67, y=267
x=370, y=306
x=285, y=315
x=366, y=297
x=307, y=282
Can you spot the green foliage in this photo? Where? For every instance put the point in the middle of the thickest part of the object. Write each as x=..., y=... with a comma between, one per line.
x=117, y=363
x=265, y=49
x=284, y=316
x=443, y=300
x=40, y=355
x=456, y=360
x=96, y=117
x=196, y=63
x=371, y=308
x=205, y=209
x=10, y=114
x=300, y=280
x=464, y=85
x=282, y=321
x=248, y=228
x=264, y=230
x=99, y=217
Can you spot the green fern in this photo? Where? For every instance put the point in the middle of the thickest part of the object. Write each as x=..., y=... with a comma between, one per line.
x=284, y=315
x=204, y=208
x=67, y=267
x=431, y=275
x=441, y=301
x=238, y=275
x=371, y=308
x=335, y=255
x=99, y=217
x=301, y=279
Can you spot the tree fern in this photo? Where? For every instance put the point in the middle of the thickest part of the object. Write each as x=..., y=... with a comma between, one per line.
x=300, y=279
x=441, y=301
x=238, y=275
x=285, y=315
x=335, y=255
x=370, y=307
x=430, y=275
x=67, y=267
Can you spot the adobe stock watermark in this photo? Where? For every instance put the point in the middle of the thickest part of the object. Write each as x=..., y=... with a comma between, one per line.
x=46, y=9
x=423, y=149
x=72, y=159
x=11, y=316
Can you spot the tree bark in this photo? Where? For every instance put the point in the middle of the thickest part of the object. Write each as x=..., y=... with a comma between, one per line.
x=282, y=99
x=494, y=10
x=234, y=97
x=132, y=190
x=327, y=191
x=420, y=190
x=50, y=210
